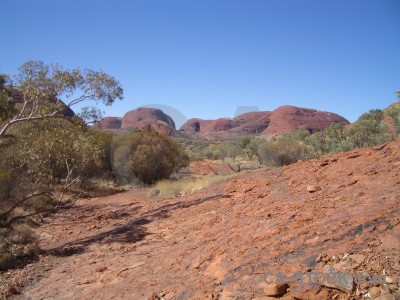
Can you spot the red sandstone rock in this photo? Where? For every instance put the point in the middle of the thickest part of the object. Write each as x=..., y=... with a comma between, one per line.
x=275, y=289
x=110, y=123
x=391, y=241
x=144, y=116
x=286, y=119
x=219, y=242
x=313, y=188
x=18, y=97
x=141, y=118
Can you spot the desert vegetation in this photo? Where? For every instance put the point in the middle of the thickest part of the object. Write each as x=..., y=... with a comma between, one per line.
x=372, y=128
x=148, y=156
x=46, y=154
x=169, y=188
x=50, y=157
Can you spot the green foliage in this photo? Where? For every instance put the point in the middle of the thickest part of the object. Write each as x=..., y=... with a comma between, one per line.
x=6, y=102
x=55, y=149
x=394, y=113
x=45, y=156
x=300, y=135
x=222, y=150
x=369, y=130
x=43, y=87
x=149, y=155
x=104, y=140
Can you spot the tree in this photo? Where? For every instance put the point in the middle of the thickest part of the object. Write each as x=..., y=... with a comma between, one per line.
x=43, y=87
x=393, y=112
x=44, y=152
x=43, y=140
x=368, y=130
x=6, y=102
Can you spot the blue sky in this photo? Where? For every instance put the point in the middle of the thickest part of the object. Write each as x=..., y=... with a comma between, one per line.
x=207, y=57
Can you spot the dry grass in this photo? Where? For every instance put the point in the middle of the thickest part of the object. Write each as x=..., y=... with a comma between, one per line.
x=21, y=234
x=181, y=187
x=16, y=243
x=102, y=187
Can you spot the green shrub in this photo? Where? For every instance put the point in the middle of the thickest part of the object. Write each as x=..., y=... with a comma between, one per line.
x=149, y=155
x=394, y=113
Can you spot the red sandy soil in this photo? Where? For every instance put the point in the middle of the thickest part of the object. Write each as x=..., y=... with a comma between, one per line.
x=218, y=243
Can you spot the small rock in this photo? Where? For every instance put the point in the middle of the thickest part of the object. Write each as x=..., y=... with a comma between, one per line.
x=335, y=258
x=305, y=290
x=276, y=289
x=154, y=296
x=390, y=241
x=374, y=292
x=342, y=266
x=169, y=296
x=389, y=279
x=343, y=281
x=217, y=282
x=313, y=188
x=393, y=287
x=357, y=258
x=396, y=267
x=326, y=259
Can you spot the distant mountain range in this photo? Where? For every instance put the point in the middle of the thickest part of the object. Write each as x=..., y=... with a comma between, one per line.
x=284, y=119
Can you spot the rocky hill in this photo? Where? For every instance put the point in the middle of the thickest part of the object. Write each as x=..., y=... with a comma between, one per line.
x=338, y=215
x=18, y=98
x=284, y=119
x=141, y=118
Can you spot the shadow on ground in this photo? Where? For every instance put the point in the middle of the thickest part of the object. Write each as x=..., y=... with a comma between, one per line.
x=131, y=232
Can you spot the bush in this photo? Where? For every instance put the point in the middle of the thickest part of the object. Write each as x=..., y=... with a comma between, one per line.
x=55, y=151
x=104, y=139
x=149, y=155
x=281, y=152
x=394, y=113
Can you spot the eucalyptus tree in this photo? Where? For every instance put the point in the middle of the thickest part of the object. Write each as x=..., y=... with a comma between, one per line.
x=41, y=145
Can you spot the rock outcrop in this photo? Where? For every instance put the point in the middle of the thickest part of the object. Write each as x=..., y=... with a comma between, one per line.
x=110, y=123
x=284, y=119
x=141, y=118
x=232, y=239
x=18, y=98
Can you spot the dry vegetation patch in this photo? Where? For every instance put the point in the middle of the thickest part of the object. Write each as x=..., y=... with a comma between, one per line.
x=173, y=188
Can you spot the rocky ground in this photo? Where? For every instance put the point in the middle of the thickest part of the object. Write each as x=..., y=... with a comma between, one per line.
x=339, y=216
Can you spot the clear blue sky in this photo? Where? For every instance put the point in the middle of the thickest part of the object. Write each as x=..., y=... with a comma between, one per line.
x=206, y=57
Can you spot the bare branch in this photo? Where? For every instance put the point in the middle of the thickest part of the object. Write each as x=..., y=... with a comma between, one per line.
x=18, y=203
x=29, y=119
